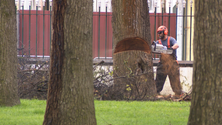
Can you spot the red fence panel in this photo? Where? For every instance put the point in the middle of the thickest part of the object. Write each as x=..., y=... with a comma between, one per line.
x=105, y=46
x=24, y=32
x=102, y=33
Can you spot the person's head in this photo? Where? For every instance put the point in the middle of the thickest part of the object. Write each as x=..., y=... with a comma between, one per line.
x=162, y=32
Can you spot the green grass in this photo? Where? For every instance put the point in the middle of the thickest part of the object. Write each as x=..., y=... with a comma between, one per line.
x=142, y=113
x=31, y=112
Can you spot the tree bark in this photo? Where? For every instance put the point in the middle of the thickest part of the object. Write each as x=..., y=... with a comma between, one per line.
x=132, y=57
x=70, y=96
x=135, y=83
x=206, y=104
x=8, y=56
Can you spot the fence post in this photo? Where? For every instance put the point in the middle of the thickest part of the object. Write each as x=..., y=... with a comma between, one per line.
x=43, y=29
x=50, y=38
x=176, y=18
x=22, y=27
x=179, y=29
x=162, y=10
x=29, y=25
x=186, y=31
x=106, y=33
x=17, y=22
x=36, y=29
x=155, y=4
x=99, y=34
x=191, y=2
x=169, y=17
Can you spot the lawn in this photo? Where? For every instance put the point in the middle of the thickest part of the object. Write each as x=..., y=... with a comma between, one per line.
x=31, y=112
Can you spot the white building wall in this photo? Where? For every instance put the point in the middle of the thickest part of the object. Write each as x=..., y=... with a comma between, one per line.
x=102, y=4
x=32, y=3
x=106, y=3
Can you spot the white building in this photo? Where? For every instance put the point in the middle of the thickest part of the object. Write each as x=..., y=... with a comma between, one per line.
x=32, y=3
x=159, y=4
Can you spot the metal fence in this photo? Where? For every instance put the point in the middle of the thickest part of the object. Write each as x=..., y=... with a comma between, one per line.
x=34, y=32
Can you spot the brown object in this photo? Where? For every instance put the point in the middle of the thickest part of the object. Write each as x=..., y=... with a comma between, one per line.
x=134, y=43
x=47, y=5
x=70, y=99
x=206, y=103
x=8, y=55
x=132, y=58
x=133, y=77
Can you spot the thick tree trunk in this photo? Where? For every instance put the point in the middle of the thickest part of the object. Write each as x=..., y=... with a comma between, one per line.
x=206, y=104
x=8, y=57
x=131, y=30
x=135, y=82
x=70, y=96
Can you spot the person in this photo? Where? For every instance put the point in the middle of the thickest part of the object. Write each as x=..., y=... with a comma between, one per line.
x=168, y=64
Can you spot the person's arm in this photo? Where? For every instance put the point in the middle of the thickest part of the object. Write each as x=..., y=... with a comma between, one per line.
x=175, y=46
x=174, y=43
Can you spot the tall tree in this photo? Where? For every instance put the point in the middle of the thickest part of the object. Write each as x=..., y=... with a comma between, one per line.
x=70, y=98
x=132, y=59
x=206, y=104
x=8, y=57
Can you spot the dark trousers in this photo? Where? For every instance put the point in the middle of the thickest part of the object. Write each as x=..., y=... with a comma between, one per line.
x=170, y=68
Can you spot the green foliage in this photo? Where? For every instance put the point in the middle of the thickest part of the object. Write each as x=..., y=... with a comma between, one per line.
x=111, y=73
x=31, y=112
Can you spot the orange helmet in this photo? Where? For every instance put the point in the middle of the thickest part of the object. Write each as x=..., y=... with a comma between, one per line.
x=164, y=29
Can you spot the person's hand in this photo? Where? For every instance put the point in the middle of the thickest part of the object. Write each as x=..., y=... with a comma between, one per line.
x=173, y=47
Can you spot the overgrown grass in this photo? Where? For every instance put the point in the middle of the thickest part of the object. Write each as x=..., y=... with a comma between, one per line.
x=31, y=112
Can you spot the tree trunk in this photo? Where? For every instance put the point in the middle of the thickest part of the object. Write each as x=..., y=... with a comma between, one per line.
x=8, y=57
x=132, y=59
x=206, y=104
x=70, y=96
